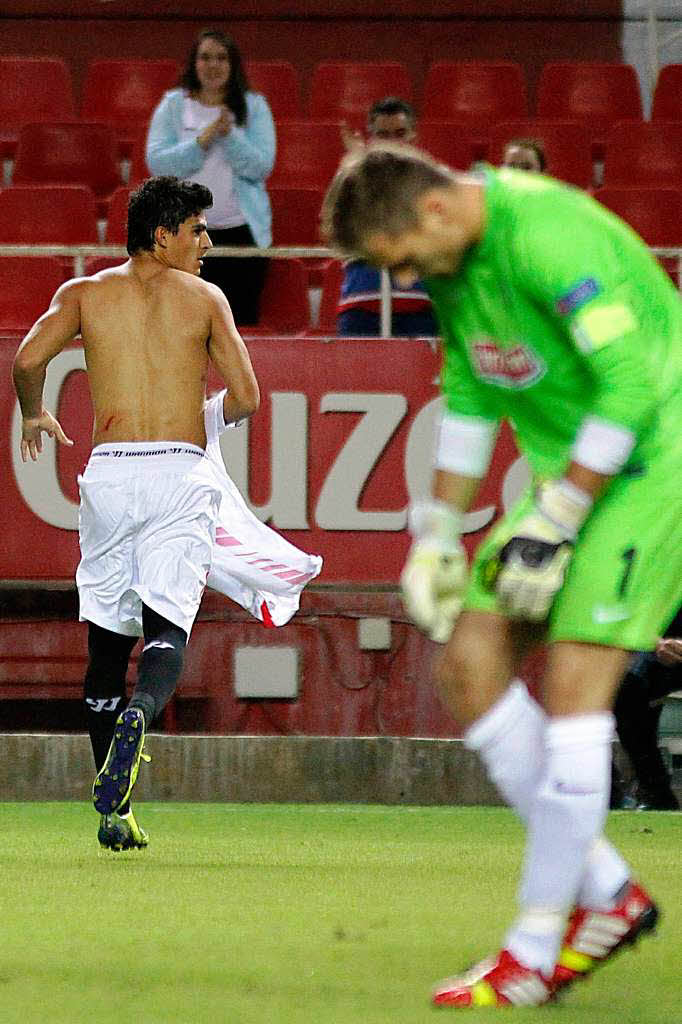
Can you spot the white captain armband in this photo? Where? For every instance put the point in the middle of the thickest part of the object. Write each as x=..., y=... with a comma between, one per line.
x=464, y=444
x=602, y=446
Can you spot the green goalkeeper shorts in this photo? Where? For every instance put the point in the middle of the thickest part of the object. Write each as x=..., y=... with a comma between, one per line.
x=624, y=583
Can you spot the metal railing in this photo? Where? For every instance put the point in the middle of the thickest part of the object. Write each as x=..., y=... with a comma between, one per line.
x=80, y=253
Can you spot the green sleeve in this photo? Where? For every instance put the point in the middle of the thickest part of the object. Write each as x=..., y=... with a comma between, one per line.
x=586, y=270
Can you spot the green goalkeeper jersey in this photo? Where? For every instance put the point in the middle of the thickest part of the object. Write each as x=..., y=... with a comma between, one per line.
x=559, y=312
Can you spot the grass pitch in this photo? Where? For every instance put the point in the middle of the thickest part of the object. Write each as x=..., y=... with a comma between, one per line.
x=293, y=914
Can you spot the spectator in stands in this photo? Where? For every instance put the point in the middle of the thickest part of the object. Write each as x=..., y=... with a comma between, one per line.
x=214, y=130
x=149, y=500
x=538, y=331
x=525, y=154
x=650, y=678
x=390, y=119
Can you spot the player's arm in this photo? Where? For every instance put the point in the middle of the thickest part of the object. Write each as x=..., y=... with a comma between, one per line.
x=435, y=575
x=576, y=271
x=229, y=355
x=48, y=336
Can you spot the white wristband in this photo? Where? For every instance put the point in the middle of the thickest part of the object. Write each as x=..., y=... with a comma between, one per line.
x=602, y=446
x=464, y=444
x=565, y=505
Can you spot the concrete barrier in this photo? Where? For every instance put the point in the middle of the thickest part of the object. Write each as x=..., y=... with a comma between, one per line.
x=300, y=769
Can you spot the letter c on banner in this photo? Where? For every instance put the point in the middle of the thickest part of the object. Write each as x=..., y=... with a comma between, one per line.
x=38, y=482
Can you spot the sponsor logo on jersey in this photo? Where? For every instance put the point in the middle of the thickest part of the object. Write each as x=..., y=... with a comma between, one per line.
x=516, y=367
x=579, y=294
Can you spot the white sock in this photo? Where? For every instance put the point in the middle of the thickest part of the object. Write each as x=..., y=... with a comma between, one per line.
x=566, y=819
x=605, y=873
x=509, y=738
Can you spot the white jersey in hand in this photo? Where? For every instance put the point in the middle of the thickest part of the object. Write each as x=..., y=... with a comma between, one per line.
x=252, y=564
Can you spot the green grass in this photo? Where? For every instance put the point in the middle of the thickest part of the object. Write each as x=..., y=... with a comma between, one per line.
x=291, y=914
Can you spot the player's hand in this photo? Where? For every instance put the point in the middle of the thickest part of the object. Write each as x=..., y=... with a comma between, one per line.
x=669, y=651
x=530, y=568
x=435, y=575
x=217, y=129
x=352, y=140
x=32, y=434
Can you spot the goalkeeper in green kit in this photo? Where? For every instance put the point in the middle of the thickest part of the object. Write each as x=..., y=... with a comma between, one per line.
x=555, y=317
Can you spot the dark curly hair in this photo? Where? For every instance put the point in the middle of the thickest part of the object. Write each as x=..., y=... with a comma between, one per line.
x=162, y=202
x=237, y=84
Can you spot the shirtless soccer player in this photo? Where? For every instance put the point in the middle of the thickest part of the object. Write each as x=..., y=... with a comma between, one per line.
x=149, y=502
x=554, y=316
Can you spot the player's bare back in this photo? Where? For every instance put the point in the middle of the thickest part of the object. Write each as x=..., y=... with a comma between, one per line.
x=145, y=334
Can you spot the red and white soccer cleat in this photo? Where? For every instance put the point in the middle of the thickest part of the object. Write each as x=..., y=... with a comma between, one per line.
x=594, y=936
x=501, y=981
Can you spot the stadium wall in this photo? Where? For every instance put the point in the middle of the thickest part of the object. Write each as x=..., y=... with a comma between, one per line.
x=341, y=444
x=256, y=769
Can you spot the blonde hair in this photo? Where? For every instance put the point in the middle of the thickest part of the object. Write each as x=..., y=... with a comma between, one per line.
x=376, y=189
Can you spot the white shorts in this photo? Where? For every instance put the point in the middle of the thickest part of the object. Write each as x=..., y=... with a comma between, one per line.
x=147, y=522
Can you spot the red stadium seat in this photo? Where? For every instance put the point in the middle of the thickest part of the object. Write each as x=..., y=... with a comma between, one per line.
x=331, y=289
x=448, y=141
x=480, y=93
x=279, y=82
x=27, y=284
x=296, y=221
x=138, y=163
x=567, y=146
x=345, y=90
x=48, y=214
x=123, y=93
x=654, y=213
x=32, y=89
x=296, y=215
x=67, y=153
x=117, y=218
x=308, y=153
x=667, y=103
x=284, y=302
x=596, y=93
x=644, y=153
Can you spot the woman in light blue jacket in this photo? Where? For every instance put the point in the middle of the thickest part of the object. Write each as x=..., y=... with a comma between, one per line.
x=213, y=129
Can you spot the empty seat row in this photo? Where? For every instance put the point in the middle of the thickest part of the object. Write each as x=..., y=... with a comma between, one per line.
x=644, y=153
x=67, y=215
x=124, y=92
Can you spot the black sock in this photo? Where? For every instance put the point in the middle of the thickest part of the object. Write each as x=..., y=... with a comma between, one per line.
x=105, y=686
x=146, y=704
x=160, y=664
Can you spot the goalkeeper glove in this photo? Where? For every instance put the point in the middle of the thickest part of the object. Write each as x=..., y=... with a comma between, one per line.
x=529, y=570
x=435, y=575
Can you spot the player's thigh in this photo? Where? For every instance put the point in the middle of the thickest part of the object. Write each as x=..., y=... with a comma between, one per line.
x=174, y=547
x=624, y=582
x=105, y=529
